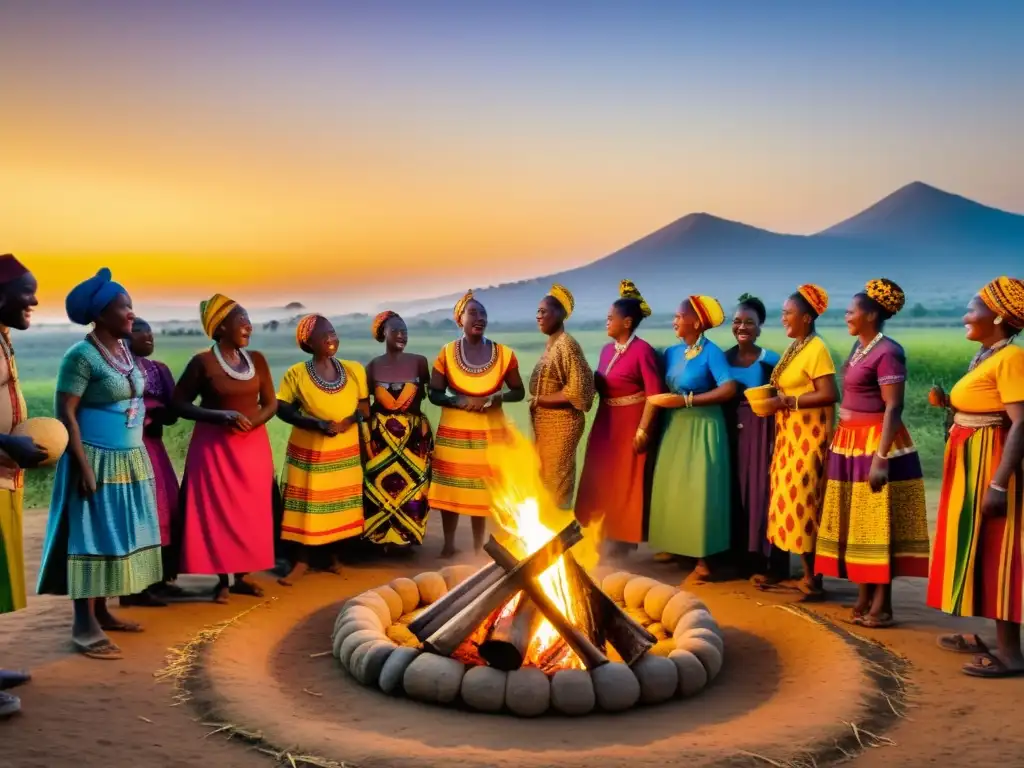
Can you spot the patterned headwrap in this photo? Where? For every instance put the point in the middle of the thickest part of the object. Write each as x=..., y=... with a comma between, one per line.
x=627, y=290
x=563, y=296
x=10, y=268
x=215, y=311
x=816, y=296
x=304, y=330
x=460, y=307
x=377, y=326
x=88, y=299
x=1005, y=297
x=708, y=310
x=886, y=294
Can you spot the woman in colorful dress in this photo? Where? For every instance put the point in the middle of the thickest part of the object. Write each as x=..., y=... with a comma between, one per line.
x=691, y=474
x=612, y=486
x=561, y=393
x=874, y=524
x=397, y=440
x=227, y=487
x=752, y=440
x=103, y=535
x=157, y=397
x=805, y=381
x=324, y=399
x=978, y=563
x=467, y=382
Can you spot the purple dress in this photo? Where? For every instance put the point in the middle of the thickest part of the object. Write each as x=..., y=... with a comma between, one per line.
x=157, y=397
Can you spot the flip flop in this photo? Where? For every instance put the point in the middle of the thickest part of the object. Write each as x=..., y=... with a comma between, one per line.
x=987, y=665
x=9, y=705
x=104, y=650
x=122, y=626
x=962, y=644
x=12, y=678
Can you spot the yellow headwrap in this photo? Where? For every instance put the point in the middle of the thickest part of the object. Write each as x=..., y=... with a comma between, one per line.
x=816, y=296
x=304, y=330
x=563, y=296
x=627, y=290
x=708, y=310
x=886, y=294
x=377, y=326
x=215, y=311
x=1005, y=297
x=460, y=307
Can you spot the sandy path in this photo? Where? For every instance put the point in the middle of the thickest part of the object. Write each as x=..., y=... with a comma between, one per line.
x=79, y=712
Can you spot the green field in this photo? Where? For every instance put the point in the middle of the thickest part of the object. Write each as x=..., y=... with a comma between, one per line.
x=935, y=355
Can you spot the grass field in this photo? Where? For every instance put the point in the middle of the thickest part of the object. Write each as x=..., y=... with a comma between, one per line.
x=935, y=355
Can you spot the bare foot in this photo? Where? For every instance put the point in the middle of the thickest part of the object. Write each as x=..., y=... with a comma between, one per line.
x=447, y=553
x=221, y=595
x=296, y=573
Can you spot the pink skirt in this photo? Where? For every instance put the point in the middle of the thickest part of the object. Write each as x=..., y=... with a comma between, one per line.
x=166, y=480
x=228, y=501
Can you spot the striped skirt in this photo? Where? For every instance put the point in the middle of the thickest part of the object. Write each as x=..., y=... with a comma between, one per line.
x=978, y=562
x=460, y=468
x=12, y=559
x=868, y=537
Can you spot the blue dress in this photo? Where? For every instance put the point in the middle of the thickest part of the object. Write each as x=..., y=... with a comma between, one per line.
x=107, y=544
x=691, y=493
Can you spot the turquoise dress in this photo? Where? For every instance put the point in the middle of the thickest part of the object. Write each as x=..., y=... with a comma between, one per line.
x=107, y=544
x=691, y=496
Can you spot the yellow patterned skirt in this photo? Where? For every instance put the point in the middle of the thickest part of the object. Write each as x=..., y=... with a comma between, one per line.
x=798, y=478
x=460, y=468
x=12, y=559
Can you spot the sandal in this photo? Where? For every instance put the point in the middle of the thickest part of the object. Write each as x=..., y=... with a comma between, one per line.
x=12, y=678
x=962, y=644
x=866, y=620
x=243, y=587
x=988, y=665
x=9, y=705
x=104, y=650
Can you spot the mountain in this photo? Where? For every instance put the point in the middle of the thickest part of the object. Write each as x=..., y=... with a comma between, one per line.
x=938, y=246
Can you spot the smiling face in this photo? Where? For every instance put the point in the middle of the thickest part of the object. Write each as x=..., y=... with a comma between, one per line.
x=796, y=322
x=17, y=299
x=550, y=316
x=980, y=322
x=618, y=325
x=858, y=318
x=686, y=323
x=142, y=339
x=396, y=334
x=746, y=325
x=236, y=330
x=323, y=341
x=474, y=319
x=117, y=318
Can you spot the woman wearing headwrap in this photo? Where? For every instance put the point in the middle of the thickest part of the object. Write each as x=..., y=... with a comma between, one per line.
x=612, y=484
x=977, y=566
x=103, y=535
x=804, y=407
x=324, y=399
x=228, y=487
x=467, y=381
x=692, y=474
x=874, y=524
x=561, y=392
x=397, y=439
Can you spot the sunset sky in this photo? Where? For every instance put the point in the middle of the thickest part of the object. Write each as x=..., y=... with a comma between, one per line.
x=347, y=153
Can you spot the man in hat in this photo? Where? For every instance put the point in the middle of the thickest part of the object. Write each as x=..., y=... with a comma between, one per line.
x=17, y=298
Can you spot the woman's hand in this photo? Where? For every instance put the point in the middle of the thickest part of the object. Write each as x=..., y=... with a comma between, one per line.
x=667, y=400
x=878, y=476
x=236, y=420
x=534, y=403
x=471, y=404
x=640, y=440
x=994, y=504
x=24, y=452
x=937, y=397
x=776, y=404
x=86, y=481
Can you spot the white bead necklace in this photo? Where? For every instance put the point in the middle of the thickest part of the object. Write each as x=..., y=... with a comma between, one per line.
x=245, y=375
x=863, y=352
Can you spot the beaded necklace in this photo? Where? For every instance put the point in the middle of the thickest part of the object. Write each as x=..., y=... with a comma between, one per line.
x=245, y=375
x=695, y=349
x=792, y=351
x=620, y=350
x=125, y=366
x=986, y=352
x=863, y=351
x=474, y=370
x=328, y=387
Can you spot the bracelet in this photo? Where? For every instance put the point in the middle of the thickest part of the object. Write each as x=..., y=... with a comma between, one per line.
x=998, y=488
x=641, y=432
x=796, y=403
x=881, y=455
x=688, y=399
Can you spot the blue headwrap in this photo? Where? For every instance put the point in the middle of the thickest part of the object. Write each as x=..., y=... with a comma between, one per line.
x=87, y=300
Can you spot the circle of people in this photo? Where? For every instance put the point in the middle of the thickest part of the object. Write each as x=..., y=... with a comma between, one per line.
x=729, y=478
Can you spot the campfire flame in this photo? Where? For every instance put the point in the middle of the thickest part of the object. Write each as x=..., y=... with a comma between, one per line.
x=530, y=518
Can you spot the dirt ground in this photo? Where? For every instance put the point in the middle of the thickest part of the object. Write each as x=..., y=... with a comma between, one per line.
x=787, y=685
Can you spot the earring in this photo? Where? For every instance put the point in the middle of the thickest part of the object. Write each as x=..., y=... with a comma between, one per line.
x=998, y=320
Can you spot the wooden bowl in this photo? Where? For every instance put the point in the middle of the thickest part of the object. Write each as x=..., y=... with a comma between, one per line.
x=49, y=434
x=766, y=392
x=761, y=408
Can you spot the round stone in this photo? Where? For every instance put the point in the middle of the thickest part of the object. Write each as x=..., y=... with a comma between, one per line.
x=483, y=688
x=352, y=642
x=527, y=692
x=367, y=664
x=657, y=598
x=433, y=678
x=401, y=634
x=615, y=686
x=454, y=575
x=636, y=590
x=679, y=605
x=393, y=671
x=658, y=677
x=658, y=630
x=695, y=619
x=614, y=584
x=408, y=591
x=708, y=654
x=348, y=628
x=431, y=586
x=572, y=692
x=706, y=634
x=351, y=611
x=375, y=603
x=663, y=647
x=394, y=602
x=692, y=676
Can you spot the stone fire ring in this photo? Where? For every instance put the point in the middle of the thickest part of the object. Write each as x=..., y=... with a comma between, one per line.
x=373, y=642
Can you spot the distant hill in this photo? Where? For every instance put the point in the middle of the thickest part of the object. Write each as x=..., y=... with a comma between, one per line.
x=939, y=246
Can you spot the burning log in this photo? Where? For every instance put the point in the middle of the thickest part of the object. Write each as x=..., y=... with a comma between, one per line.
x=509, y=638
x=435, y=617
x=459, y=626
x=589, y=653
